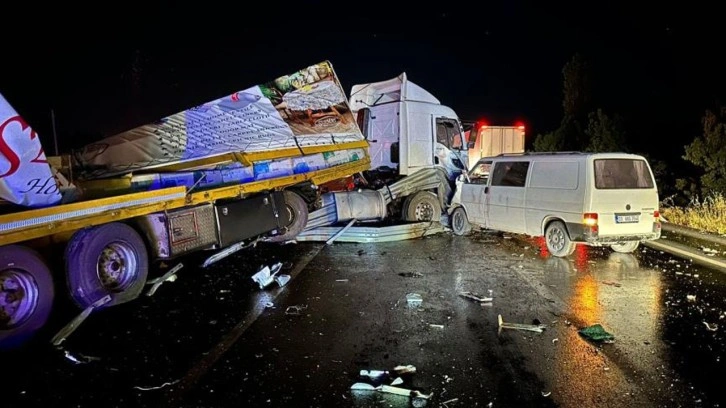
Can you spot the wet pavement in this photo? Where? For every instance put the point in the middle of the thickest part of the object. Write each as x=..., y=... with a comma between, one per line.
x=209, y=339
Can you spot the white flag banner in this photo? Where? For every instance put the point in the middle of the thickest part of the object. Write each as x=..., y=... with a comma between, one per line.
x=25, y=176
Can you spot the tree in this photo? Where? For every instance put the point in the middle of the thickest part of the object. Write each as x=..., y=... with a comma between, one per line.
x=708, y=152
x=605, y=134
x=576, y=87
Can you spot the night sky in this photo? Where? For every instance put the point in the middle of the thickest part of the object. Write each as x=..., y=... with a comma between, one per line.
x=109, y=69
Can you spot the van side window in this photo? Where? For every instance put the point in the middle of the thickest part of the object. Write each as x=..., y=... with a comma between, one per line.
x=622, y=174
x=511, y=174
x=480, y=173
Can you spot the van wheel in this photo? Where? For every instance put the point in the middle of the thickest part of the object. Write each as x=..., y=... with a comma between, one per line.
x=422, y=206
x=460, y=222
x=625, y=247
x=108, y=259
x=26, y=295
x=296, y=216
x=558, y=240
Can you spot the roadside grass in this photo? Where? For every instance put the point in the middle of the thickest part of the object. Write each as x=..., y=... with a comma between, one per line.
x=708, y=214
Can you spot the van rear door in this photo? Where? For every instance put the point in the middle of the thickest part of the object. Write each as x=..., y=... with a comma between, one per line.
x=624, y=196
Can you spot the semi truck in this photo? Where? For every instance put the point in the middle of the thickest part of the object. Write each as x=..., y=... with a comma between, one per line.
x=217, y=177
x=417, y=149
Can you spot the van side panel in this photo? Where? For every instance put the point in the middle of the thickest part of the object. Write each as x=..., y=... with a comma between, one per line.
x=556, y=189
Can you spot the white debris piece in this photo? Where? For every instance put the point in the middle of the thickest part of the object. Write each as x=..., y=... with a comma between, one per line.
x=266, y=275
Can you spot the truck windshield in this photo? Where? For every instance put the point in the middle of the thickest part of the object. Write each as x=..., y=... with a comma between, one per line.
x=622, y=174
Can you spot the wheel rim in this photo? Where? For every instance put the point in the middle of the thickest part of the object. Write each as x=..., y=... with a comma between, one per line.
x=424, y=211
x=117, y=266
x=556, y=239
x=19, y=294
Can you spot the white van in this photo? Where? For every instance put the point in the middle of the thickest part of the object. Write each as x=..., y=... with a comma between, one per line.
x=568, y=197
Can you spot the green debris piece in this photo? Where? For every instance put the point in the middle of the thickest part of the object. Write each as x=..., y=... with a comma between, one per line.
x=596, y=333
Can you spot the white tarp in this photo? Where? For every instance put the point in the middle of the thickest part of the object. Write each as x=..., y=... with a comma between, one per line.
x=25, y=176
x=306, y=108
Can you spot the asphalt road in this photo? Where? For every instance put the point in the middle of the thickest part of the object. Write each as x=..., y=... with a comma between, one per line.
x=213, y=338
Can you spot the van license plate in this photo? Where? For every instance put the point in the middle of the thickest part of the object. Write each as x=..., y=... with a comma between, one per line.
x=624, y=219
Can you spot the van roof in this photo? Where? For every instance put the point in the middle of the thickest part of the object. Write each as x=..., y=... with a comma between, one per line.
x=567, y=154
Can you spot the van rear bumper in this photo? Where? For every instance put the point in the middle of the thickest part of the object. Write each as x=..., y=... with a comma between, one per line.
x=578, y=233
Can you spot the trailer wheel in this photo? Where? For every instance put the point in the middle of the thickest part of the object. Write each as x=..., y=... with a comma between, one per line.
x=109, y=259
x=422, y=206
x=26, y=294
x=558, y=239
x=625, y=247
x=460, y=222
x=296, y=211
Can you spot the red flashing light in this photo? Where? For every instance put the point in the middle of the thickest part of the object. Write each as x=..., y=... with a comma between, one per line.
x=519, y=125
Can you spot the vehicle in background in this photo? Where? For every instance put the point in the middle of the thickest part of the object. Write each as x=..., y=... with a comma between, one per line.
x=487, y=140
x=598, y=199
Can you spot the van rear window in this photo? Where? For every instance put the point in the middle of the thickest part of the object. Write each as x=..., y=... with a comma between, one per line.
x=622, y=174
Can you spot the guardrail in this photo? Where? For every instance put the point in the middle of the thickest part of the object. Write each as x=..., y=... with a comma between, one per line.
x=688, y=243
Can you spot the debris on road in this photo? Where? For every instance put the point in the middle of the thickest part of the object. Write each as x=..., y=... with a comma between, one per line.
x=539, y=328
x=166, y=384
x=266, y=275
x=397, y=381
x=711, y=327
x=282, y=279
x=546, y=394
x=477, y=298
x=391, y=390
x=411, y=274
x=612, y=283
x=414, y=300
x=407, y=369
x=68, y=329
x=436, y=326
x=374, y=375
x=295, y=310
x=597, y=333
x=341, y=280
x=169, y=276
x=691, y=298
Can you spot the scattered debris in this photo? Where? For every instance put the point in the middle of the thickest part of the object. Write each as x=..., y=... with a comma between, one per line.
x=295, y=310
x=612, y=283
x=341, y=280
x=414, y=300
x=397, y=381
x=407, y=369
x=411, y=274
x=269, y=305
x=691, y=298
x=555, y=340
x=448, y=401
x=436, y=326
x=266, y=275
x=711, y=327
x=390, y=390
x=68, y=329
x=282, y=279
x=597, y=333
x=156, y=388
x=477, y=298
x=539, y=328
x=169, y=276
x=546, y=394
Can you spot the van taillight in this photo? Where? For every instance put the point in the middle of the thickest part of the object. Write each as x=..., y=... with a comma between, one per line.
x=590, y=219
x=656, y=215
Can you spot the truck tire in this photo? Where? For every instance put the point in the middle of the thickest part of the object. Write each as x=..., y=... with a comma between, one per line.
x=296, y=211
x=558, y=240
x=26, y=295
x=460, y=222
x=109, y=259
x=625, y=247
x=422, y=206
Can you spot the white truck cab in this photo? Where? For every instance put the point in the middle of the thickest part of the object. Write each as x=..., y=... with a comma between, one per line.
x=568, y=197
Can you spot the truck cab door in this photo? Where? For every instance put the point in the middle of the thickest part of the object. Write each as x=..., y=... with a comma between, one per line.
x=450, y=150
